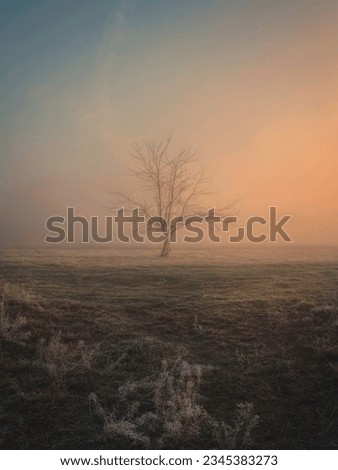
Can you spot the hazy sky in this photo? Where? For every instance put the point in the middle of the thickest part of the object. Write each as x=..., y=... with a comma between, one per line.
x=251, y=83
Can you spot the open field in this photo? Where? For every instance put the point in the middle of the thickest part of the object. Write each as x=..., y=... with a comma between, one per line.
x=113, y=349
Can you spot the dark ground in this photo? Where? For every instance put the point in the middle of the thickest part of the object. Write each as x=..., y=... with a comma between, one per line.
x=264, y=334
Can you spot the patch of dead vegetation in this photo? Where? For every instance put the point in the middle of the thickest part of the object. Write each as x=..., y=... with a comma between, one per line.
x=164, y=411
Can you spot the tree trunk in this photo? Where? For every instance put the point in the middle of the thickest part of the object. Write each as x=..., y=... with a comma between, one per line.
x=165, y=248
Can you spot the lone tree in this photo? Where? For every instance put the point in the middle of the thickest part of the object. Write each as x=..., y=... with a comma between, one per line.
x=170, y=186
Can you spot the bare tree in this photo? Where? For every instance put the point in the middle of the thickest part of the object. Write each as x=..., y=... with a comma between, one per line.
x=171, y=187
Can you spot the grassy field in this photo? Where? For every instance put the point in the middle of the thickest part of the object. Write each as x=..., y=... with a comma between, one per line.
x=120, y=350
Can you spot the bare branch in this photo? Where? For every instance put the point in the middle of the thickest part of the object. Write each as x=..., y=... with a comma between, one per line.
x=169, y=185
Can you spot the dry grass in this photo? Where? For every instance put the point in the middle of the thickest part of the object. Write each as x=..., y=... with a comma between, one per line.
x=174, y=416
x=19, y=296
x=60, y=359
x=252, y=340
x=240, y=434
x=12, y=329
x=13, y=325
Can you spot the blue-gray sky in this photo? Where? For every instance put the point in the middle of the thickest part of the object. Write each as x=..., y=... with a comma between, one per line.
x=252, y=83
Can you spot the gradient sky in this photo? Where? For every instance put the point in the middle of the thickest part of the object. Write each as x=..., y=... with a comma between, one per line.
x=251, y=83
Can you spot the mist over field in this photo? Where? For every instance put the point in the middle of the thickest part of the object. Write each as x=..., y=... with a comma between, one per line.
x=252, y=85
x=173, y=109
